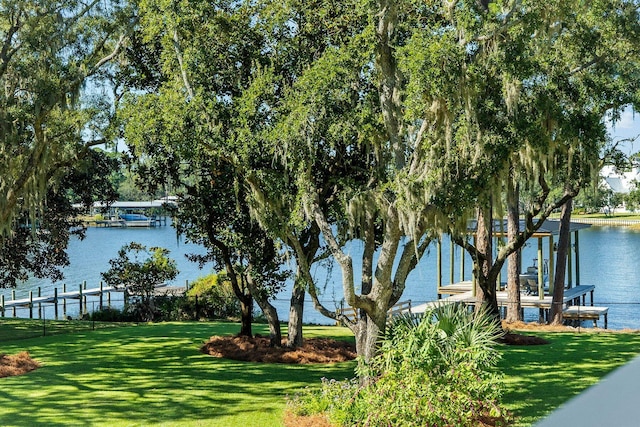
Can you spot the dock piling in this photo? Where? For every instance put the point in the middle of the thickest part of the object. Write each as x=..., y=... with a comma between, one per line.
x=55, y=302
x=84, y=298
x=80, y=301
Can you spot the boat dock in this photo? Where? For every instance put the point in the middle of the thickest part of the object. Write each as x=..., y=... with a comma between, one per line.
x=38, y=300
x=129, y=214
x=574, y=298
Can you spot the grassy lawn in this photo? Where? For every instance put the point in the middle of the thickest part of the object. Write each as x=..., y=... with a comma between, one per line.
x=539, y=378
x=150, y=375
x=154, y=374
x=16, y=328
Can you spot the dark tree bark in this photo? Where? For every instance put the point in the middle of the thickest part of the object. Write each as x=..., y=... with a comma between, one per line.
x=275, y=333
x=237, y=284
x=513, y=267
x=561, y=264
x=485, y=276
x=246, y=315
x=309, y=247
x=296, y=310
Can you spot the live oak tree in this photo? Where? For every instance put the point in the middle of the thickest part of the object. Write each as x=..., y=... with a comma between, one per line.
x=49, y=51
x=185, y=121
x=415, y=112
x=343, y=115
x=525, y=88
x=38, y=247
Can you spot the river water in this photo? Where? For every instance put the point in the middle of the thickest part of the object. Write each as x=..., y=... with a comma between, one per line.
x=609, y=259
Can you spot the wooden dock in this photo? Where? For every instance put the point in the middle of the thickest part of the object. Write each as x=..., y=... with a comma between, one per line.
x=37, y=300
x=26, y=302
x=461, y=292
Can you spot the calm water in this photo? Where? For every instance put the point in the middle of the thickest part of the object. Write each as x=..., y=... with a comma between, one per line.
x=609, y=259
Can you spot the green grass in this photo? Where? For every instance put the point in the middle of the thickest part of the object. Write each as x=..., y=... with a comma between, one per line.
x=150, y=375
x=539, y=378
x=155, y=375
x=16, y=328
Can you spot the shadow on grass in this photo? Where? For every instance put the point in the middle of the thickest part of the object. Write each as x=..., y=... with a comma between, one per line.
x=150, y=374
x=540, y=378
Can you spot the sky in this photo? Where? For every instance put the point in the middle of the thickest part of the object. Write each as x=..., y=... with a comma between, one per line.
x=627, y=127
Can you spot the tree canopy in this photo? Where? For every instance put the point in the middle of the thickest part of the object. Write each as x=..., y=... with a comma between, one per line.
x=51, y=51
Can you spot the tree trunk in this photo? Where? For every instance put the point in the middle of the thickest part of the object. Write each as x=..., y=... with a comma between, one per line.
x=237, y=284
x=367, y=333
x=561, y=264
x=296, y=309
x=513, y=267
x=275, y=333
x=306, y=250
x=246, y=316
x=485, y=280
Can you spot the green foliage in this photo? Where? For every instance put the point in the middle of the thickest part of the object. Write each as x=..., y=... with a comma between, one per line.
x=139, y=271
x=216, y=298
x=435, y=369
x=110, y=314
x=51, y=50
x=36, y=246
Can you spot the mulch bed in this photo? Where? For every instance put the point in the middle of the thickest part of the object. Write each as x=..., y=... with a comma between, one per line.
x=518, y=339
x=313, y=350
x=17, y=364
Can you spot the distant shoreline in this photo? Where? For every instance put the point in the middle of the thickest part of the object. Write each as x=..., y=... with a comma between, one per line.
x=608, y=222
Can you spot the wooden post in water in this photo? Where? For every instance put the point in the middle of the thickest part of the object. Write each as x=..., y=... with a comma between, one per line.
x=30, y=304
x=451, y=262
x=64, y=301
x=577, y=248
x=439, y=268
x=55, y=303
x=13, y=298
x=2, y=304
x=462, y=264
x=80, y=301
x=473, y=271
x=100, y=306
x=84, y=297
x=570, y=265
x=39, y=303
x=540, y=270
x=499, y=243
x=551, y=264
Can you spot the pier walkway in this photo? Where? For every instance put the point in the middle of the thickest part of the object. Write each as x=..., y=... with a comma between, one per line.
x=26, y=302
x=461, y=292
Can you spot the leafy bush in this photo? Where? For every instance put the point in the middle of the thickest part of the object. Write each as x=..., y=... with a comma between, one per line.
x=215, y=297
x=139, y=270
x=109, y=314
x=434, y=369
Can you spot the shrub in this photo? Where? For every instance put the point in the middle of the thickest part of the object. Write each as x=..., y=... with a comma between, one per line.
x=109, y=314
x=215, y=297
x=139, y=270
x=435, y=369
